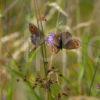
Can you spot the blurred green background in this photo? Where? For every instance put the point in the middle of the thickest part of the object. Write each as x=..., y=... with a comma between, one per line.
x=17, y=58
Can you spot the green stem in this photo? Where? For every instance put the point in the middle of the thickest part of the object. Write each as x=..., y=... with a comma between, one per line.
x=93, y=79
x=43, y=47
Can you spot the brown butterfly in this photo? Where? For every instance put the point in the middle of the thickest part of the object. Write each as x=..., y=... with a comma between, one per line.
x=35, y=34
x=62, y=40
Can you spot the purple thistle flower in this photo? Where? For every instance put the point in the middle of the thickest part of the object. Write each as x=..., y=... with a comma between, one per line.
x=50, y=39
x=54, y=42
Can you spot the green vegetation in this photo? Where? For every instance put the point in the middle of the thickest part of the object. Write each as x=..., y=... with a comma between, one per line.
x=26, y=72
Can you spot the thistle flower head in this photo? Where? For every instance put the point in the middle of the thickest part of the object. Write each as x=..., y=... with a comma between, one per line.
x=50, y=39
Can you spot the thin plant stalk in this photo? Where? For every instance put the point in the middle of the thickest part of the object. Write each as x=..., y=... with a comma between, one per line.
x=43, y=47
x=93, y=78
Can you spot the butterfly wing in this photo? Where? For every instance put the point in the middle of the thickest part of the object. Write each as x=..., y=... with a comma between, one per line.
x=72, y=44
x=65, y=37
x=35, y=34
x=33, y=29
